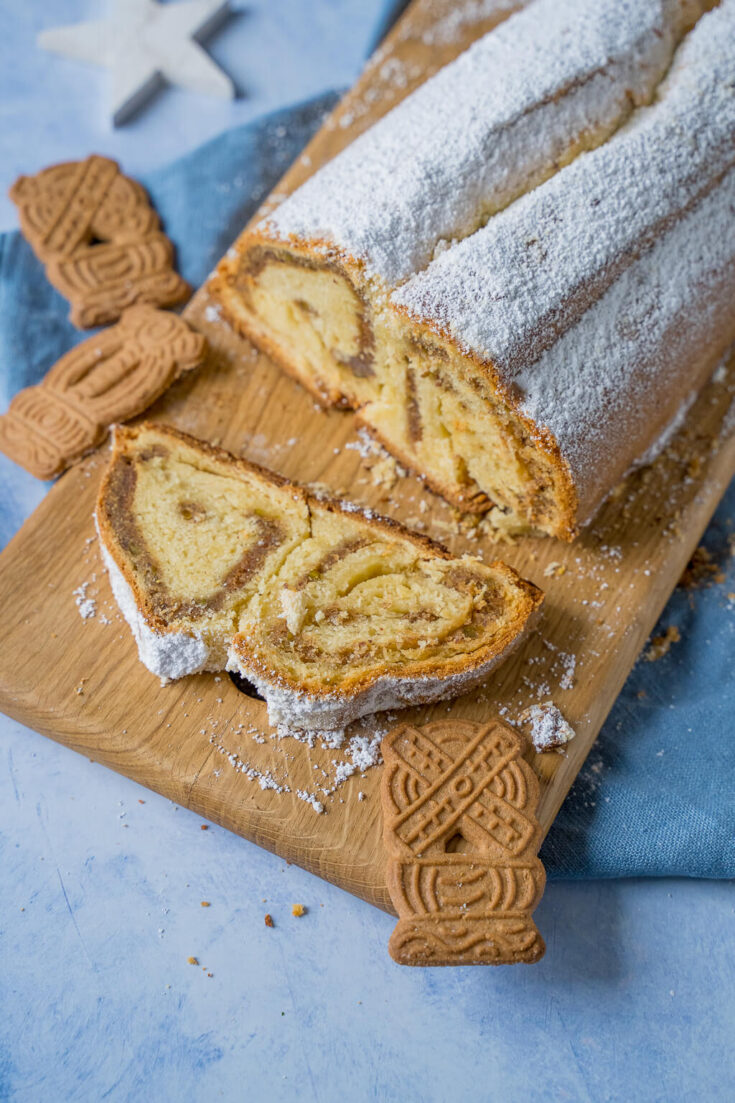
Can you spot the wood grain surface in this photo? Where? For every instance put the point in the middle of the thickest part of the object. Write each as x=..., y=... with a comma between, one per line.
x=79, y=680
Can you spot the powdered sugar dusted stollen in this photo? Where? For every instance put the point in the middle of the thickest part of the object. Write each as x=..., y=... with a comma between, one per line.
x=468, y=370
x=551, y=80
x=510, y=290
x=309, y=283
x=459, y=825
x=607, y=386
x=332, y=615
x=631, y=363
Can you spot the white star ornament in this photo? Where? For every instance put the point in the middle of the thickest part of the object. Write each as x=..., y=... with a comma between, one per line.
x=144, y=44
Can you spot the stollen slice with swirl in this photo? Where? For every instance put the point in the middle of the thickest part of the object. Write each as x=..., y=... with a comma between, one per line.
x=187, y=534
x=365, y=615
x=331, y=613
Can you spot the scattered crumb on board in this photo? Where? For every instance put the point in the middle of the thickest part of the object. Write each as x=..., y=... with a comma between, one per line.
x=548, y=730
x=660, y=645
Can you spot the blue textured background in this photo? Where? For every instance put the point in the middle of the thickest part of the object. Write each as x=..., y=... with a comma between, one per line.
x=100, y=902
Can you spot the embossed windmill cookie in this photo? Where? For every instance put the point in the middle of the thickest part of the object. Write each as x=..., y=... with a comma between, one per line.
x=108, y=378
x=459, y=826
x=100, y=239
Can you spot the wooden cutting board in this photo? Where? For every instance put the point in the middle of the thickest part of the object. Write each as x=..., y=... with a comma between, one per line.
x=79, y=681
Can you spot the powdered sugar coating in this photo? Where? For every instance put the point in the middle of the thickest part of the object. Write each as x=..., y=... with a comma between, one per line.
x=615, y=381
x=669, y=431
x=510, y=290
x=170, y=655
x=297, y=710
x=86, y=605
x=608, y=376
x=483, y=130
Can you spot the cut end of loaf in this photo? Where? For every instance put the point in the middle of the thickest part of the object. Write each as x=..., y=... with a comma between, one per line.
x=439, y=411
x=307, y=311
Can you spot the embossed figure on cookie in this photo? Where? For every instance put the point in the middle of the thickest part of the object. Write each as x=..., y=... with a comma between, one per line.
x=461, y=835
x=108, y=378
x=100, y=239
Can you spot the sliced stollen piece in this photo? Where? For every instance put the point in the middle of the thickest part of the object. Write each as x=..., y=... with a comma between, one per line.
x=331, y=613
x=365, y=616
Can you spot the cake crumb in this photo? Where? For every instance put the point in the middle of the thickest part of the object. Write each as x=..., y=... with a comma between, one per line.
x=192, y=961
x=700, y=570
x=269, y=920
x=660, y=645
x=206, y=904
x=549, y=729
x=298, y=910
x=383, y=467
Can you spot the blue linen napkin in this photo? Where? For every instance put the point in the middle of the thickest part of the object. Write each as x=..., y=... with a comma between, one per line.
x=655, y=797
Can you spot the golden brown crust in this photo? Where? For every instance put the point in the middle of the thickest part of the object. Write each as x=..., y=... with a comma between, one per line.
x=130, y=433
